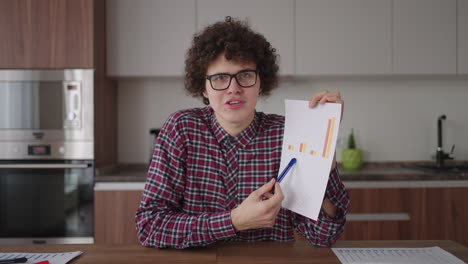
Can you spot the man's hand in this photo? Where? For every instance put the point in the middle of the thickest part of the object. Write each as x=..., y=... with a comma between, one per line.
x=326, y=97
x=254, y=212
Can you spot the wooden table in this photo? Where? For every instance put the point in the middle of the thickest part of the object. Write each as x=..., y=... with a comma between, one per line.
x=244, y=253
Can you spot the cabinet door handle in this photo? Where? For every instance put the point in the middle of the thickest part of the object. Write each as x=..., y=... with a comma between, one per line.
x=378, y=217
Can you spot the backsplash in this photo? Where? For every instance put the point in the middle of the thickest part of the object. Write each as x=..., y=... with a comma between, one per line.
x=394, y=118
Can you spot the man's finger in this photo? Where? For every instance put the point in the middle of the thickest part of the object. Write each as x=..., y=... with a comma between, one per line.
x=316, y=98
x=277, y=197
x=265, y=188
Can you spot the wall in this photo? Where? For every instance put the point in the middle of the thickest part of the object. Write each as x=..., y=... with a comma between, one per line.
x=394, y=118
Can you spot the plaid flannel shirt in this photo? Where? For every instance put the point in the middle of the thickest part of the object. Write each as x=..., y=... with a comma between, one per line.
x=199, y=173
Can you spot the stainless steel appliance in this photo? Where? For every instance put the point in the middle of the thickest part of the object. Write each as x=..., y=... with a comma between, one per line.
x=46, y=156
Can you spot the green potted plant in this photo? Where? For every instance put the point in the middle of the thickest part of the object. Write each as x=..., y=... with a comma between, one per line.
x=351, y=156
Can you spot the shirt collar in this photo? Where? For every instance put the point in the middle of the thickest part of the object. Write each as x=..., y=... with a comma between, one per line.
x=241, y=140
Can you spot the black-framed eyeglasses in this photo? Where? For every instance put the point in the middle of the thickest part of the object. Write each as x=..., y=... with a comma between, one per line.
x=222, y=81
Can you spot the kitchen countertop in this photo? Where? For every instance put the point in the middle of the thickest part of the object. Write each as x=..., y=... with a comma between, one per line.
x=122, y=173
x=372, y=175
x=381, y=171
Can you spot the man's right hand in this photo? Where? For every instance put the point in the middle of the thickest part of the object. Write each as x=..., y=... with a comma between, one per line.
x=254, y=212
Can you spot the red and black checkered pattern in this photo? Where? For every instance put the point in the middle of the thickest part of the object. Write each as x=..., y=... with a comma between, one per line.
x=199, y=173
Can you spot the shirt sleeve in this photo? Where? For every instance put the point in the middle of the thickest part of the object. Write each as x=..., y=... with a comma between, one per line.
x=160, y=220
x=326, y=230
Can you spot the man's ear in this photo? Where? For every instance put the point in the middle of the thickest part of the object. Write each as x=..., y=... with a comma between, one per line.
x=205, y=94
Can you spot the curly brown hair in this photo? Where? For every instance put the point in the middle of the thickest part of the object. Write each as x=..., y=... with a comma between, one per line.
x=238, y=42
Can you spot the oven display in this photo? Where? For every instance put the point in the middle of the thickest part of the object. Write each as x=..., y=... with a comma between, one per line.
x=39, y=150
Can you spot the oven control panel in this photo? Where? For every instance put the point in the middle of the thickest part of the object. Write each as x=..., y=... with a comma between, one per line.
x=39, y=150
x=72, y=93
x=42, y=151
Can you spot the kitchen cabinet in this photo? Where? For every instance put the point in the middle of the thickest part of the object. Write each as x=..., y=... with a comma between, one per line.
x=440, y=213
x=105, y=95
x=147, y=37
x=342, y=37
x=114, y=221
x=424, y=36
x=376, y=210
x=462, y=37
x=46, y=34
x=434, y=213
x=322, y=37
x=272, y=18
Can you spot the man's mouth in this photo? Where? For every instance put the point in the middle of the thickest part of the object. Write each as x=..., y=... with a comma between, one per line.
x=233, y=102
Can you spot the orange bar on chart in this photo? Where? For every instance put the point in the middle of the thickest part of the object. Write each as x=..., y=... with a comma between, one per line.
x=290, y=147
x=330, y=137
x=302, y=147
x=326, y=139
x=313, y=153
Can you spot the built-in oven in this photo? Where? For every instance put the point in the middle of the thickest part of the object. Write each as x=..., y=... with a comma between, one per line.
x=46, y=201
x=46, y=156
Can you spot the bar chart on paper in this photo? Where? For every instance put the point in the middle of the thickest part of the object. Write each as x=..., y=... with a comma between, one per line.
x=306, y=148
x=310, y=137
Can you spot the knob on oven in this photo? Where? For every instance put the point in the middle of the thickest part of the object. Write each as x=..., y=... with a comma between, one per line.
x=71, y=116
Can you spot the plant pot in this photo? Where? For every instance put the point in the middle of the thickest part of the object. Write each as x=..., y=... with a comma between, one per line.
x=352, y=159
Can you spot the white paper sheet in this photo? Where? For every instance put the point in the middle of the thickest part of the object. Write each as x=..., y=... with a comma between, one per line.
x=428, y=255
x=53, y=258
x=309, y=136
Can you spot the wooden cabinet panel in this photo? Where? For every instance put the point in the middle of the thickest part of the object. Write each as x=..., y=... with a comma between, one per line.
x=378, y=200
x=376, y=230
x=440, y=213
x=114, y=220
x=435, y=213
x=46, y=34
x=105, y=95
x=379, y=203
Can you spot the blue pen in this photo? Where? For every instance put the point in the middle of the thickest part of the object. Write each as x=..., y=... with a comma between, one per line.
x=285, y=171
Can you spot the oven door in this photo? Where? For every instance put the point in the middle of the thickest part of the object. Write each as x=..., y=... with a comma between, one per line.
x=46, y=201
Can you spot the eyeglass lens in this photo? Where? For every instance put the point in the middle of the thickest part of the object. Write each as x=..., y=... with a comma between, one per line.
x=244, y=79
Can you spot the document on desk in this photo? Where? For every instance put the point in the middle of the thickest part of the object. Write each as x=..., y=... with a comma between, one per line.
x=427, y=255
x=53, y=258
x=309, y=136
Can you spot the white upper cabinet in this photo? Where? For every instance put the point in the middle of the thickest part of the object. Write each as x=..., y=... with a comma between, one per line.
x=462, y=37
x=424, y=36
x=343, y=37
x=148, y=37
x=313, y=37
x=274, y=19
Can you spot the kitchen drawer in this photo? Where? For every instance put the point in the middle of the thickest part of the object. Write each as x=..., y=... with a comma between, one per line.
x=408, y=213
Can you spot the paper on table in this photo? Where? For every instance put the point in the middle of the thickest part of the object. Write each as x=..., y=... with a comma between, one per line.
x=428, y=255
x=309, y=136
x=53, y=258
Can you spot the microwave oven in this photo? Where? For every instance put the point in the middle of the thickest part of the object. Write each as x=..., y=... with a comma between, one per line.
x=47, y=114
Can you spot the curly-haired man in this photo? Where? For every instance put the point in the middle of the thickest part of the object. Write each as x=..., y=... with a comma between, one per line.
x=213, y=168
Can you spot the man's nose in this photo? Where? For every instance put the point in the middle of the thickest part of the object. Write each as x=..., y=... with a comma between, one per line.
x=234, y=86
